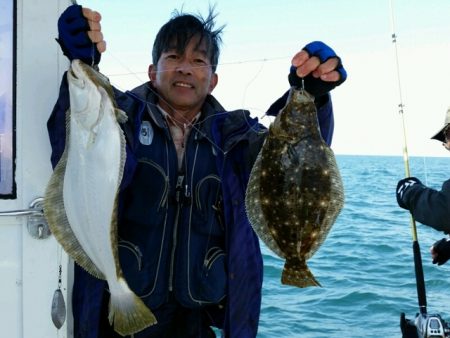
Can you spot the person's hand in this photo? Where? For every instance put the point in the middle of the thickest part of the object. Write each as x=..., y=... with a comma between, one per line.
x=402, y=186
x=80, y=35
x=440, y=251
x=319, y=67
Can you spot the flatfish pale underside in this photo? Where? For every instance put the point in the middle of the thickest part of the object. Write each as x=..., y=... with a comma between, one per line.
x=81, y=199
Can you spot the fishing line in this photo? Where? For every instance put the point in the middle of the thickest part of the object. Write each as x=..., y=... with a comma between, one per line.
x=252, y=128
x=181, y=120
x=184, y=121
x=420, y=280
x=401, y=107
x=58, y=310
x=231, y=63
x=244, y=94
x=425, y=170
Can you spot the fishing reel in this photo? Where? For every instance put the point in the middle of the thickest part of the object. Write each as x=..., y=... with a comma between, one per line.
x=431, y=326
x=424, y=326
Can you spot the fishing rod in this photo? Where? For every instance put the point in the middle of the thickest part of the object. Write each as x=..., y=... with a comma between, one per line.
x=420, y=280
x=427, y=325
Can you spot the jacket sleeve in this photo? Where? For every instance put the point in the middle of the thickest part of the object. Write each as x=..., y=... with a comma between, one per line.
x=324, y=114
x=56, y=124
x=429, y=206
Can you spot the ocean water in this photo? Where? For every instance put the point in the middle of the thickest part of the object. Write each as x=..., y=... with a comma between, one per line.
x=365, y=265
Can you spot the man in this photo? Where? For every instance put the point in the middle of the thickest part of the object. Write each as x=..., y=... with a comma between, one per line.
x=185, y=244
x=429, y=206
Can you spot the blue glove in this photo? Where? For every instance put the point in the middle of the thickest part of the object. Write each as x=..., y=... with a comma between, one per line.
x=442, y=249
x=402, y=186
x=73, y=38
x=316, y=86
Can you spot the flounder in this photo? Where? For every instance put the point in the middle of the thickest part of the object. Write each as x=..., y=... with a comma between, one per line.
x=295, y=191
x=81, y=198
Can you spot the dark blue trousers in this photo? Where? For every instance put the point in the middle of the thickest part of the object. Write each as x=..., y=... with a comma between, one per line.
x=174, y=321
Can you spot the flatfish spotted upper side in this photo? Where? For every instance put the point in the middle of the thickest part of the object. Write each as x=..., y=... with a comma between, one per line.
x=295, y=191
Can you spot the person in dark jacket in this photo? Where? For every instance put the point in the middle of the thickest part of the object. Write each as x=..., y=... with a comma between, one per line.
x=430, y=207
x=427, y=205
x=185, y=244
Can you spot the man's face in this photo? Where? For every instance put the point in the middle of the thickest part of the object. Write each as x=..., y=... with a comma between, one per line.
x=183, y=80
x=447, y=138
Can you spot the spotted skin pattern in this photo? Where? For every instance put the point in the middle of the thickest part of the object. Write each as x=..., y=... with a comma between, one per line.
x=295, y=191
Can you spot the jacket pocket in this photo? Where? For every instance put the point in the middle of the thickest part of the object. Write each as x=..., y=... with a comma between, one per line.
x=208, y=186
x=130, y=254
x=146, y=197
x=141, y=266
x=213, y=279
x=208, y=218
x=205, y=282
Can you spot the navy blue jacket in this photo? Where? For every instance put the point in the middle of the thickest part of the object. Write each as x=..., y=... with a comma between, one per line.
x=429, y=206
x=227, y=143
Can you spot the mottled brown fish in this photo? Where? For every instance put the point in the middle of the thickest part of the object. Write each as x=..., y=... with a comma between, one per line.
x=295, y=191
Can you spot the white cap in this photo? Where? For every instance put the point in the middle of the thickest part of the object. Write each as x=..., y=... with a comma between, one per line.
x=440, y=134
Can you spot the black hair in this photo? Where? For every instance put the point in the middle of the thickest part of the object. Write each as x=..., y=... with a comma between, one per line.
x=181, y=28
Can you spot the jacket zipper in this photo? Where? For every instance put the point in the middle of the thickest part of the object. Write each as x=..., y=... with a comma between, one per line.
x=178, y=190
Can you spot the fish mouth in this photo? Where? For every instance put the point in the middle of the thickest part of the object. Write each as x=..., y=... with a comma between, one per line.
x=76, y=80
x=72, y=73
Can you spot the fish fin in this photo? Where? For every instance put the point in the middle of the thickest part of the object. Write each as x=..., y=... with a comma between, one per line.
x=254, y=211
x=55, y=214
x=127, y=312
x=123, y=154
x=121, y=116
x=298, y=275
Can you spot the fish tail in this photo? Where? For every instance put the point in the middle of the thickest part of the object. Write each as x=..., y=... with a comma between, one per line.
x=301, y=277
x=127, y=311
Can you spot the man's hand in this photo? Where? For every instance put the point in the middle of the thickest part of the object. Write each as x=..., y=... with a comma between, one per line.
x=440, y=251
x=402, y=186
x=95, y=29
x=320, y=68
x=80, y=35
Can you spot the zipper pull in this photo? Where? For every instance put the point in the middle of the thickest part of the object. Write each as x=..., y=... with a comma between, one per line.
x=179, y=187
x=179, y=181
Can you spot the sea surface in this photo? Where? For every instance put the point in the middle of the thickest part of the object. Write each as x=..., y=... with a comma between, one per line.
x=366, y=265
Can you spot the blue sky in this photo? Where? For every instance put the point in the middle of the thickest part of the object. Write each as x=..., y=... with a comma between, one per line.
x=260, y=38
x=5, y=50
